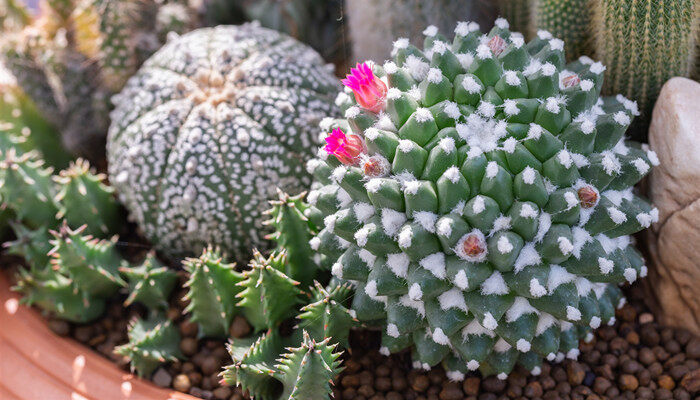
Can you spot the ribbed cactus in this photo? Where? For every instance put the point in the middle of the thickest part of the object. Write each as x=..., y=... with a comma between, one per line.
x=152, y=342
x=479, y=196
x=84, y=198
x=327, y=317
x=568, y=20
x=149, y=283
x=32, y=245
x=643, y=44
x=516, y=12
x=268, y=296
x=212, y=289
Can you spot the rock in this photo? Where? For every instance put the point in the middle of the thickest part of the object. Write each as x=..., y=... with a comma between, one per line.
x=673, y=189
x=182, y=383
x=691, y=381
x=162, y=378
x=471, y=386
x=628, y=382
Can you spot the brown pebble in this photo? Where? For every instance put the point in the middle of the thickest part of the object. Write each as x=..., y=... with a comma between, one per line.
x=575, y=373
x=666, y=382
x=672, y=347
x=631, y=367
x=83, y=333
x=399, y=383
x=691, y=381
x=188, y=328
x=644, y=377
x=678, y=372
x=393, y=396
x=162, y=378
x=420, y=383
x=451, y=391
x=350, y=381
x=533, y=390
x=240, y=327
x=663, y=394
x=382, y=370
x=195, y=378
x=222, y=393
x=382, y=383
x=692, y=349
x=628, y=382
x=493, y=384
x=59, y=327
x=627, y=313
x=365, y=390
x=632, y=338
x=646, y=356
x=644, y=393
x=649, y=336
x=646, y=318
x=182, y=383
x=210, y=365
x=471, y=386
x=548, y=383
x=188, y=346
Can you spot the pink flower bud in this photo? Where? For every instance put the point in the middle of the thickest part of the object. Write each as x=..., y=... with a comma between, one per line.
x=369, y=90
x=570, y=81
x=497, y=45
x=346, y=148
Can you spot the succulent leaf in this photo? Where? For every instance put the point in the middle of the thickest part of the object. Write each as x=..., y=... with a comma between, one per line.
x=152, y=342
x=149, y=283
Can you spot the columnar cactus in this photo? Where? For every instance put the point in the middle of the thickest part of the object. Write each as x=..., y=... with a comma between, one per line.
x=152, y=342
x=479, y=197
x=568, y=20
x=149, y=283
x=212, y=289
x=207, y=129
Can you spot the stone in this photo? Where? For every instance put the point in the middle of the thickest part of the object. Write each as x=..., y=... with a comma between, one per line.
x=673, y=188
x=162, y=378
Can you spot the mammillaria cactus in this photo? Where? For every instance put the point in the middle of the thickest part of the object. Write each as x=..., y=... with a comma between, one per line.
x=481, y=204
x=207, y=129
x=151, y=342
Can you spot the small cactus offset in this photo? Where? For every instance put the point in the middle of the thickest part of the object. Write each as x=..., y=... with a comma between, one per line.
x=212, y=289
x=645, y=43
x=307, y=372
x=92, y=264
x=327, y=316
x=31, y=244
x=479, y=196
x=152, y=342
x=293, y=229
x=149, y=283
x=85, y=199
x=568, y=20
x=268, y=296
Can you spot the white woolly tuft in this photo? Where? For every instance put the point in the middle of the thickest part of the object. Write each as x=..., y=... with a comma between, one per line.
x=363, y=211
x=339, y=173
x=473, y=365
x=616, y=215
x=519, y=308
x=390, y=67
x=573, y=354
x=430, y=31
x=548, y=69
x=452, y=298
x=392, y=221
x=398, y=264
x=367, y=257
x=609, y=245
x=643, y=271
x=517, y=40
x=644, y=219
x=344, y=244
x=461, y=280
x=337, y=270
x=363, y=233
x=483, y=52
x=597, y=68
x=371, y=289
x=552, y=105
x=474, y=328
x=564, y=158
x=501, y=346
x=329, y=221
x=439, y=47
x=529, y=175
x=426, y=219
x=653, y=158
x=455, y=376
x=544, y=323
x=411, y=187
x=501, y=23
x=528, y=256
x=405, y=237
x=414, y=304
x=401, y=43
x=605, y=265
x=384, y=351
x=534, y=132
x=343, y=198
x=373, y=185
x=509, y=145
x=581, y=237
x=491, y=169
x=464, y=28
x=544, y=35
x=435, y=263
x=641, y=166
x=536, y=289
x=586, y=85
x=447, y=144
x=528, y=211
x=595, y=322
x=414, y=93
x=452, y=110
x=585, y=60
x=501, y=223
x=372, y=134
x=630, y=274
x=465, y=59
x=523, y=345
x=510, y=107
x=392, y=330
x=444, y=227
x=558, y=276
x=622, y=118
x=545, y=222
x=352, y=112
x=532, y=67
x=393, y=94
x=583, y=286
x=504, y=245
x=512, y=78
x=494, y=284
x=565, y=245
x=571, y=200
x=556, y=44
x=416, y=67
x=315, y=242
x=573, y=313
x=452, y=173
x=478, y=206
x=423, y=115
x=434, y=75
x=486, y=109
x=489, y=321
x=579, y=160
x=415, y=292
x=654, y=213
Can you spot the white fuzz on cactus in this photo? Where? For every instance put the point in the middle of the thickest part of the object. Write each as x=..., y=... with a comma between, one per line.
x=499, y=228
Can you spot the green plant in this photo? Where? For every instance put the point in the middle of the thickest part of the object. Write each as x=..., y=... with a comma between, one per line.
x=568, y=20
x=225, y=127
x=152, y=342
x=479, y=196
x=212, y=289
x=149, y=283
x=516, y=12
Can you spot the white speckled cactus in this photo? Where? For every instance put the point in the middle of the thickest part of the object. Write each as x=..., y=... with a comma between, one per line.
x=208, y=128
x=479, y=196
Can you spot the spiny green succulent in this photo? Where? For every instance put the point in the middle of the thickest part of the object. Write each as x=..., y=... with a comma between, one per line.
x=268, y=296
x=645, y=43
x=150, y=283
x=304, y=372
x=212, y=289
x=209, y=127
x=327, y=316
x=55, y=293
x=26, y=187
x=478, y=196
x=85, y=199
x=152, y=342
x=293, y=228
x=31, y=244
x=92, y=264
x=568, y=20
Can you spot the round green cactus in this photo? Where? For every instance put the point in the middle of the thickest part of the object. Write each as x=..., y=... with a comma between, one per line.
x=479, y=196
x=208, y=128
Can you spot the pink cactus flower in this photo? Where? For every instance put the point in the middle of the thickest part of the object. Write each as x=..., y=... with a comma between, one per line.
x=370, y=91
x=346, y=148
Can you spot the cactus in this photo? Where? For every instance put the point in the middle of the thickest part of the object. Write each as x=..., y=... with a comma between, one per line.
x=268, y=296
x=293, y=230
x=479, y=196
x=212, y=289
x=643, y=44
x=149, y=283
x=85, y=199
x=304, y=373
x=516, y=12
x=152, y=342
x=568, y=20
x=32, y=245
x=224, y=127
x=327, y=317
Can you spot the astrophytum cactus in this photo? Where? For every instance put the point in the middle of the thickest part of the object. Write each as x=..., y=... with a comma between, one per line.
x=479, y=197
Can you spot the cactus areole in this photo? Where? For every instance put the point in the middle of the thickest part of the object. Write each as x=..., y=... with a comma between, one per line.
x=208, y=128
x=482, y=208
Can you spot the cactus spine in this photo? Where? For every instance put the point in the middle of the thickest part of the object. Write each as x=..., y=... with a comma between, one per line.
x=152, y=342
